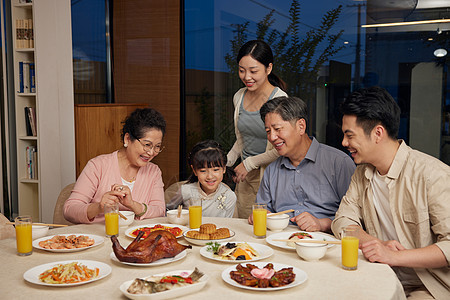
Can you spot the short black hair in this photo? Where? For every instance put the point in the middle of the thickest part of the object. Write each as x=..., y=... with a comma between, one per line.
x=373, y=106
x=142, y=120
x=289, y=108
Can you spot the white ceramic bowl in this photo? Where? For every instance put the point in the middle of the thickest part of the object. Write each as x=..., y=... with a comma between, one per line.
x=310, y=251
x=277, y=223
x=182, y=220
x=39, y=231
x=130, y=218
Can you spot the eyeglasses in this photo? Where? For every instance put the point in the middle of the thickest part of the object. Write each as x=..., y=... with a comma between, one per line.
x=149, y=146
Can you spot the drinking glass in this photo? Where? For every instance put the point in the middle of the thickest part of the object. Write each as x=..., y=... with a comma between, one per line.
x=23, y=225
x=111, y=219
x=350, y=245
x=195, y=213
x=259, y=220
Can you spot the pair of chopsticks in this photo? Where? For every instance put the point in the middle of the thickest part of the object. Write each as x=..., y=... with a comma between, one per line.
x=179, y=211
x=280, y=212
x=122, y=216
x=41, y=224
x=311, y=241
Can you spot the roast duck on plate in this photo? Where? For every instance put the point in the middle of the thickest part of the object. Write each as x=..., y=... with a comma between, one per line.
x=159, y=244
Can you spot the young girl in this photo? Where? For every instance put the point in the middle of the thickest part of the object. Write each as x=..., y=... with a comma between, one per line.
x=208, y=162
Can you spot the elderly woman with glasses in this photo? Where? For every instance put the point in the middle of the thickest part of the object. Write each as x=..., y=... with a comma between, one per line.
x=126, y=176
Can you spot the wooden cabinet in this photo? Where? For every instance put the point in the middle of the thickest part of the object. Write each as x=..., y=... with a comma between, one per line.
x=43, y=81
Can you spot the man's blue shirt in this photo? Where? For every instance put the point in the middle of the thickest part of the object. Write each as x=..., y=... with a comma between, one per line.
x=316, y=185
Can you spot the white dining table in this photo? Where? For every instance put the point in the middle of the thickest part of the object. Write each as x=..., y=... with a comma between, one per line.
x=326, y=278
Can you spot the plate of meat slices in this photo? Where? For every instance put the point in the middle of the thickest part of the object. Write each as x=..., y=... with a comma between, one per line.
x=262, y=276
x=297, y=236
x=68, y=242
x=177, y=231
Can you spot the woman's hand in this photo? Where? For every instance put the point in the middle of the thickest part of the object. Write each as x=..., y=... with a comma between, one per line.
x=109, y=198
x=124, y=197
x=241, y=173
x=123, y=194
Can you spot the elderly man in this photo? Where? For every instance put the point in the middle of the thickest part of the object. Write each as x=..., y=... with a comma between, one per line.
x=309, y=177
x=398, y=197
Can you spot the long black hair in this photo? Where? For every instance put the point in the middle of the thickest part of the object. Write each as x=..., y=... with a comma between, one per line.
x=260, y=51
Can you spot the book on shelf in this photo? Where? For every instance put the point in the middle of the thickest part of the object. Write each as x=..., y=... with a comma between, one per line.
x=24, y=33
x=30, y=34
x=25, y=1
x=26, y=76
x=32, y=78
x=31, y=160
x=27, y=82
x=30, y=121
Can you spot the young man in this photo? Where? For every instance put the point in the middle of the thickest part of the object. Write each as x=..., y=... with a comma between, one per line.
x=309, y=177
x=398, y=197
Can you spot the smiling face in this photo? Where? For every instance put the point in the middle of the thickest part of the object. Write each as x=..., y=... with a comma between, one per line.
x=285, y=136
x=209, y=178
x=135, y=152
x=362, y=147
x=253, y=73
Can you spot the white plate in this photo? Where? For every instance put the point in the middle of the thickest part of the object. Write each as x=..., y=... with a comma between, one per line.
x=285, y=235
x=203, y=242
x=263, y=251
x=98, y=240
x=131, y=229
x=32, y=275
x=300, y=277
x=159, y=262
x=174, y=293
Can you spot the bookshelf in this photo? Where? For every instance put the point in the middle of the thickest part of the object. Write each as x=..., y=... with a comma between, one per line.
x=44, y=108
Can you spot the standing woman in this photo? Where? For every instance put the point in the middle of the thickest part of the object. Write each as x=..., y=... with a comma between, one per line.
x=125, y=176
x=255, y=60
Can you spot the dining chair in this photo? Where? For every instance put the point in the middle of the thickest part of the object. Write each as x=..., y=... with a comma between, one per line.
x=6, y=230
x=172, y=190
x=58, y=214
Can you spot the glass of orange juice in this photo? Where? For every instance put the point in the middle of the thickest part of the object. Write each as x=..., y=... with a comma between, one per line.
x=23, y=225
x=195, y=213
x=259, y=220
x=350, y=245
x=111, y=219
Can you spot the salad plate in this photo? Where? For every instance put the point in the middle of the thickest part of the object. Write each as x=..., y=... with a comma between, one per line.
x=32, y=275
x=300, y=277
x=263, y=252
x=271, y=239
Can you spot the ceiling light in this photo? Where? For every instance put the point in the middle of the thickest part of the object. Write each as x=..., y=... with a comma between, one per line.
x=440, y=52
x=407, y=23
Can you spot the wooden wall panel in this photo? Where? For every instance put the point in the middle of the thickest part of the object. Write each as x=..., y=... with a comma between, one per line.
x=146, y=37
x=98, y=128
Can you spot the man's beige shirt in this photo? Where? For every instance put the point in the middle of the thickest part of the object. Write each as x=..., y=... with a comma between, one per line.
x=419, y=197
